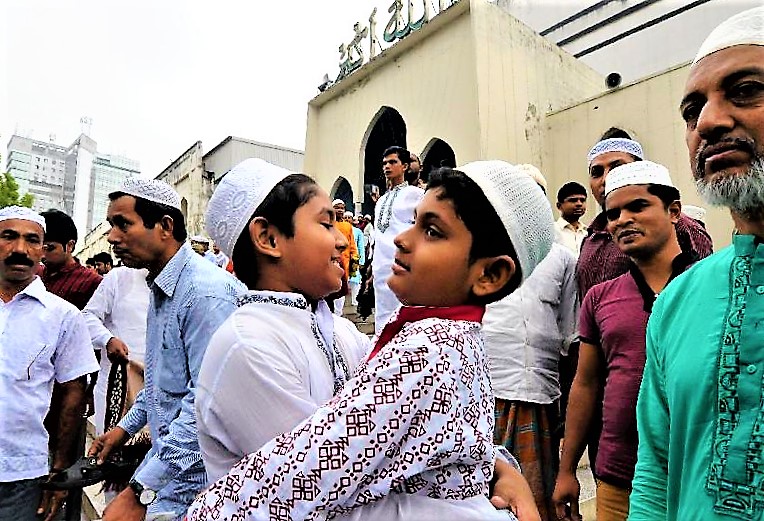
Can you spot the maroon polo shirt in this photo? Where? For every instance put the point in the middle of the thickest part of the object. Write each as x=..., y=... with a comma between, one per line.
x=614, y=317
x=73, y=283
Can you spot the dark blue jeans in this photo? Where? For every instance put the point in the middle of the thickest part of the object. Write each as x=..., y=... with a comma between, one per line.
x=19, y=499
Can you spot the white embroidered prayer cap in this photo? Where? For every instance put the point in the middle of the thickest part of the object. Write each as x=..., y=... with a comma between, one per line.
x=615, y=144
x=200, y=238
x=236, y=198
x=152, y=190
x=521, y=206
x=696, y=212
x=535, y=174
x=337, y=202
x=25, y=214
x=637, y=173
x=746, y=28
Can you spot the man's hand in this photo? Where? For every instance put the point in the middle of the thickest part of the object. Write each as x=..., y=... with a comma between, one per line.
x=104, y=444
x=124, y=507
x=116, y=349
x=51, y=503
x=512, y=491
x=565, y=498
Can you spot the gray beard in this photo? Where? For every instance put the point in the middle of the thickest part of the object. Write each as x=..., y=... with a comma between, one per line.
x=743, y=193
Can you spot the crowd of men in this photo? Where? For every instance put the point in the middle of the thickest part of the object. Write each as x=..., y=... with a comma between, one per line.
x=228, y=358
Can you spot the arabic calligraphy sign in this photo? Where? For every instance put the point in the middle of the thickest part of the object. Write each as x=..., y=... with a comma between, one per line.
x=406, y=16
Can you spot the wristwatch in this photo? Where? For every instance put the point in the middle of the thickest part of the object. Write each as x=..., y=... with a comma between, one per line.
x=145, y=496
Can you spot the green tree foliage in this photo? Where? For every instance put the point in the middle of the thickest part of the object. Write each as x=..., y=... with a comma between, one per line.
x=9, y=193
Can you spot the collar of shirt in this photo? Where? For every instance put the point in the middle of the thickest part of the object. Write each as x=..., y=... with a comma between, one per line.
x=167, y=279
x=35, y=289
x=599, y=224
x=680, y=263
x=562, y=224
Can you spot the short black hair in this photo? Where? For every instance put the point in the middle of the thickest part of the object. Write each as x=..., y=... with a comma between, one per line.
x=404, y=156
x=667, y=194
x=614, y=132
x=151, y=213
x=90, y=262
x=103, y=257
x=568, y=189
x=59, y=227
x=489, y=235
x=278, y=207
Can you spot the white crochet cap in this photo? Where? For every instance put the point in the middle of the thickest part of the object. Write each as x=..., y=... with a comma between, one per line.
x=337, y=202
x=535, y=174
x=696, y=212
x=637, y=173
x=615, y=144
x=521, y=206
x=25, y=214
x=236, y=198
x=151, y=190
x=746, y=28
x=348, y=215
x=200, y=238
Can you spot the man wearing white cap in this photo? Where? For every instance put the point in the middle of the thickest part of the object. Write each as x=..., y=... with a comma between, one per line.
x=700, y=413
x=189, y=299
x=43, y=339
x=642, y=209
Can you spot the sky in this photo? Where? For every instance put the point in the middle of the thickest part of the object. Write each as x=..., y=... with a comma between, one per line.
x=156, y=76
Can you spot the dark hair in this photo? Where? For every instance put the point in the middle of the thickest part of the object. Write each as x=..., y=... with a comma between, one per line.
x=667, y=194
x=615, y=132
x=151, y=213
x=278, y=207
x=103, y=257
x=404, y=156
x=489, y=236
x=411, y=177
x=90, y=262
x=568, y=189
x=59, y=227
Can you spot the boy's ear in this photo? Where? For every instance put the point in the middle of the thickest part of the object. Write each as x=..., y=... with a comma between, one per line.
x=264, y=237
x=495, y=274
x=675, y=210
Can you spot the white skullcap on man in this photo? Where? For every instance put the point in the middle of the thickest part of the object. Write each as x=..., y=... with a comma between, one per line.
x=200, y=238
x=696, y=212
x=746, y=28
x=615, y=144
x=348, y=215
x=535, y=174
x=151, y=190
x=520, y=204
x=25, y=214
x=338, y=202
x=637, y=173
x=236, y=198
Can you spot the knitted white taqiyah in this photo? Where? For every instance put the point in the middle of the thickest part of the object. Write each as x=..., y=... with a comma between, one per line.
x=520, y=204
x=25, y=214
x=151, y=190
x=746, y=28
x=615, y=144
x=637, y=173
x=237, y=197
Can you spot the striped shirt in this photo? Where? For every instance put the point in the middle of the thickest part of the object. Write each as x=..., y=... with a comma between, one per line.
x=73, y=283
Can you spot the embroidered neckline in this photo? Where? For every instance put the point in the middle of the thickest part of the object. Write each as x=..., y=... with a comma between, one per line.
x=733, y=498
x=334, y=358
x=386, y=207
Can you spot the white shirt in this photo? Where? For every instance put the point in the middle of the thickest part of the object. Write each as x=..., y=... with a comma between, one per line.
x=526, y=331
x=264, y=372
x=42, y=338
x=393, y=214
x=118, y=308
x=569, y=236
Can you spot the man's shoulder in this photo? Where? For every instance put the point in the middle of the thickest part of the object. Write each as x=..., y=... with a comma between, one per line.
x=203, y=277
x=701, y=275
x=55, y=304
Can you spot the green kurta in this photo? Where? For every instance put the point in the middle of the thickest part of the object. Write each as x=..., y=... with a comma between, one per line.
x=700, y=413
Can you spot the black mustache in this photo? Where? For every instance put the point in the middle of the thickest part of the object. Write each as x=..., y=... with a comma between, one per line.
x=747, y=145
x=17, y=258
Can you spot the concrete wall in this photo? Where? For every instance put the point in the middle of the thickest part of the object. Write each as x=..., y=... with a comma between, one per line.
x=233, y=150
x=186, y=175
x=648, y=109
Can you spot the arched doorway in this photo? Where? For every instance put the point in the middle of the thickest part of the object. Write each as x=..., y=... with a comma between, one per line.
x=437, y=153
x=343, y=190
x=386, y=129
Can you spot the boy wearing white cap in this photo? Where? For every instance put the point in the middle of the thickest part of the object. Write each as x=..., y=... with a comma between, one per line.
x=642, y=209
x=43, y=339
x=189, y=299
x=700, y=413
x=417, y=418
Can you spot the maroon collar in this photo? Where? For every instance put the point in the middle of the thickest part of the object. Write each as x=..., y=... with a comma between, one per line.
x=471, y=313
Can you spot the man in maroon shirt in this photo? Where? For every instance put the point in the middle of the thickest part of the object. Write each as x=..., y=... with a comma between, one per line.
x=63, y=275
x=642, y=211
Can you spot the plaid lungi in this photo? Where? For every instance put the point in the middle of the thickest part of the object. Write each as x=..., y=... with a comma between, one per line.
x=527, y=431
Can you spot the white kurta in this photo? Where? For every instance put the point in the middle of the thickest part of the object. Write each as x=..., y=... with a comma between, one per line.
x=393, y=214
x=265, y=371
x=417, y=419
x=118, y=308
